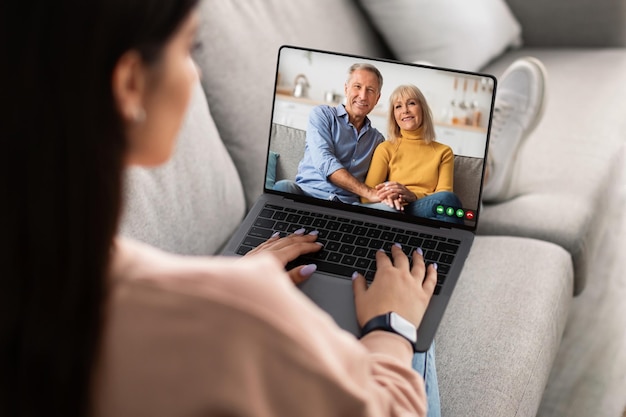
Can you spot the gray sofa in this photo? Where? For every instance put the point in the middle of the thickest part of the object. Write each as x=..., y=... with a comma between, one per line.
x=497, y=343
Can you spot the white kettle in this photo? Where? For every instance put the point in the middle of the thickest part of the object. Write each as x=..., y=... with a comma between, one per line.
x=301, y=85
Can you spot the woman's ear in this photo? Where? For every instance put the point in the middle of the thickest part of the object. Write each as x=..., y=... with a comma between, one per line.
x=128, y=84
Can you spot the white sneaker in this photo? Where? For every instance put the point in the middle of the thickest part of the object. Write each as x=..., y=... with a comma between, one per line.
x=519, y=105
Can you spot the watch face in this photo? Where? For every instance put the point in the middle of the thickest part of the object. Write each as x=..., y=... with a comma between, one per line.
x=403, y=326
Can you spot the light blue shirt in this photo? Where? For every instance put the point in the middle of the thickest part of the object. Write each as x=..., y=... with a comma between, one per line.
x=332, y=143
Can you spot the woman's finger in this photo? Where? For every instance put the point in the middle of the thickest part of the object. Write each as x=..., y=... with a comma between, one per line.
x=301, y=273
x=418, y=264
x=400, y=260
x=430, y=281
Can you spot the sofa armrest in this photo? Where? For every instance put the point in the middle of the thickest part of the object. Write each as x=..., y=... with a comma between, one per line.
x=571, y=23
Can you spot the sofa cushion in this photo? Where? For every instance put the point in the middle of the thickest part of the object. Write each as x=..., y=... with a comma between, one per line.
x=503, y=326
x=181, y=205
x=238, y=62
x=448, y=33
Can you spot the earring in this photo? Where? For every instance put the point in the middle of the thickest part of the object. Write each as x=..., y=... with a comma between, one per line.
x=139, y=115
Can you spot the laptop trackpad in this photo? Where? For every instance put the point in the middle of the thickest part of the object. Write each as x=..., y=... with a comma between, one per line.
x=333, y=295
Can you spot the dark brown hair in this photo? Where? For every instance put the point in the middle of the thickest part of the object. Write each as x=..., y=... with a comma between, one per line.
x=61, y=203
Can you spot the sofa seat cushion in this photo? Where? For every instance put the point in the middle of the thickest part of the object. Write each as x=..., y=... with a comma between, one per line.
x=503, y=326
x=193, y=203
x=564, y=173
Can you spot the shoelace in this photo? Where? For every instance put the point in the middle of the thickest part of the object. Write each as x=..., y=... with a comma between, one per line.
x=501, y=114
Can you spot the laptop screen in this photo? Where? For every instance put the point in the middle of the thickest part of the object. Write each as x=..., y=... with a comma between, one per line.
x=412, y=149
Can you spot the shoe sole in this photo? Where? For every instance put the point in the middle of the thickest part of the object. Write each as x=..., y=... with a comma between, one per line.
x=544, y=76
x=506, y=181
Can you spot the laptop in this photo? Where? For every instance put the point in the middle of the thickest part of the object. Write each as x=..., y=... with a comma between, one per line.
x=462, y=105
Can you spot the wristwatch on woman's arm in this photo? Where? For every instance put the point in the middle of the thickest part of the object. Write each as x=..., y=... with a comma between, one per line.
x=394, y=323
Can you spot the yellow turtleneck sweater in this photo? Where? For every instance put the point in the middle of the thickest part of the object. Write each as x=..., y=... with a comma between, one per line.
x=424, y=168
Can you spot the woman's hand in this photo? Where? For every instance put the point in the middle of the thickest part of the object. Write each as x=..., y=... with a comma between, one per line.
x=288, y=248
x=395, y=195
x=396, y=287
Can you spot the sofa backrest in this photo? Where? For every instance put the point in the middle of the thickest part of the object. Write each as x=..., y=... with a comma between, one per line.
x=240, y=42
x=288, y=143
x=193, y=203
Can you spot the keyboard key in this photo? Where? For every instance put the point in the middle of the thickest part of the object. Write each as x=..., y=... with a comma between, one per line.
x=318, y=223
x=348, y=260
x=363, y=263
x=279, y=215
x=375, y=244
x=401, y=239
x=336, y=236
x=416, y=242
x=242, y=250
x=429, y=244
x=265, y=223
x=447, y=248
x=346, y=228
x=334, y=257
x=281, y=226
x=267, y=213
x=306, y=221
x=348, y=238
x=346, y=249
x=251, y=241
x=333, y=268
x=431, y=256
x=262, y=233
x=446, y=259
x=293, y=218
x=332, y=225
x=360, y=231
x=332, y=246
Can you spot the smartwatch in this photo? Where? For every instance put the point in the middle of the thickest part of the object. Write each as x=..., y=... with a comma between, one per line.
x=394, y=323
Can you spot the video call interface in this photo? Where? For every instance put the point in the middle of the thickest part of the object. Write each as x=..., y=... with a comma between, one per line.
x=461, y=104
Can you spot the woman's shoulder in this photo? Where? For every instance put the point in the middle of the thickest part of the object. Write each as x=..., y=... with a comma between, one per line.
x=139, y=263
x=257, y=287
x=441, y=148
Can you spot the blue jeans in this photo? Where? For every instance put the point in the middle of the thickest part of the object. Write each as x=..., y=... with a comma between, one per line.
x=426, y=207
x=288, y=186
x=424, y=363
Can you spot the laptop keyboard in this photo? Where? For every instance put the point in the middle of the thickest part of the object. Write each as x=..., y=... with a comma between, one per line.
x=349, y=245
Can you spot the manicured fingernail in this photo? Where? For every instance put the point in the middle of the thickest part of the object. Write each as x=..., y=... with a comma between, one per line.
x=299, y=231
x=319, y=243
x=308, y=270
x=314, y=232
x=397, y=245
x=381, y=250
x=435, y=266
x=420, y=251
x=355, y=274
x=276, y=234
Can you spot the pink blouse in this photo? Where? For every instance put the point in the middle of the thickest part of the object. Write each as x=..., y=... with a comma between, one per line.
x=191, y=336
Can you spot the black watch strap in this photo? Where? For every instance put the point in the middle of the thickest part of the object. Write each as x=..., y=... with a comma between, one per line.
x=383, y=322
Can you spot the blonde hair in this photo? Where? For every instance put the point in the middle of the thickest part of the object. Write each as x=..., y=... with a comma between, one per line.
x=403, y=93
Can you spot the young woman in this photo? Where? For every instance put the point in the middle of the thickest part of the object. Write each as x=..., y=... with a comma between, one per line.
x=95, y=324
x=410, y=171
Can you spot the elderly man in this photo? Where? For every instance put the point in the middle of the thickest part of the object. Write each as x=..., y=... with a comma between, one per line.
x=340, y=142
